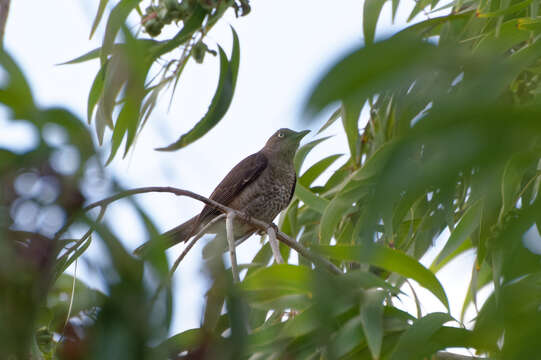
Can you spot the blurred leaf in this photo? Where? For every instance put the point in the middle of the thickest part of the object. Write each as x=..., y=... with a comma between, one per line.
x=332, y=214
x=97, y=19
x=412, y=342
x=468, y=223
x=350, y=120
x=283, y=276
x=116, y=20
x=368, y=71
x=389, y=259
x=95, y=92
x=371, y=12
x=372, y=320
x=220, y=102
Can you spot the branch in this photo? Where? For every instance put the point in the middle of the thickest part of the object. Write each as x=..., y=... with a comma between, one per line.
x=441, y=355
x=258, y=224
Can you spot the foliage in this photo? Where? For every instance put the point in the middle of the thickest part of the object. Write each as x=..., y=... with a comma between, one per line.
x=452, y=142
x=132, y=74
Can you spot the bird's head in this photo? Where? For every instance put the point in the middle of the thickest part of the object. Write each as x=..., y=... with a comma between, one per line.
x=285, y=142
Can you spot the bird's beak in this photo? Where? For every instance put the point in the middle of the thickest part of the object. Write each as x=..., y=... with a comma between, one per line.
x=301, y=134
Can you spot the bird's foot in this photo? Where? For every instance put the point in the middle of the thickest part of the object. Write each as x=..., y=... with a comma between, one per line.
x=274, y=227
x=271, y=226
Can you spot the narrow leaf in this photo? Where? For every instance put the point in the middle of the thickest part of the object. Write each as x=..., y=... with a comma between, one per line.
x=220, y=102
x=335, y=116
x=313, y=201
x=371, y=12
x=317, y=169
x=99, y=15
x=95, y=92
x=468, y=223
x=372, y=320
x=412, y=343
x=391, y=260
x=303, y=152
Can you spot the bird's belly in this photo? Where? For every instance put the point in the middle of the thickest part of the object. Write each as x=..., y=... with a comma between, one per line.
x=264, y=204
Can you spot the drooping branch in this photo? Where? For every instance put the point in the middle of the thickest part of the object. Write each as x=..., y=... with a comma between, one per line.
x=258, y=224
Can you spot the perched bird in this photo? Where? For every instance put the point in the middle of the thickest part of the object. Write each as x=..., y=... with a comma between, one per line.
x=261, y=186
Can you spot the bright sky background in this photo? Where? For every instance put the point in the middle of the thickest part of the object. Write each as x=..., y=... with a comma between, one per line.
x=285, y=46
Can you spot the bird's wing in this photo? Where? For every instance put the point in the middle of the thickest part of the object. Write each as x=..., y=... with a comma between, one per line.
x=292, y=190
x=243, y=174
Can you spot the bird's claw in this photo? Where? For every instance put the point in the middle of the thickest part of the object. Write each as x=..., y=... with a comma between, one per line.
x=274, y=227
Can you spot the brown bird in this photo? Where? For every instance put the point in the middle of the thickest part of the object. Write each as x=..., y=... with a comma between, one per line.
x=261, y=186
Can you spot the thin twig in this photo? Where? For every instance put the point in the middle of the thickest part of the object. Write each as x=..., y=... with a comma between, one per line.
x=197, y=236
x=258, y=224
x=231, y=243
x=275, y=246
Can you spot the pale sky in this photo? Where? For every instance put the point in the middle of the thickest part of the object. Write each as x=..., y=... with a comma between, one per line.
x=285, y=46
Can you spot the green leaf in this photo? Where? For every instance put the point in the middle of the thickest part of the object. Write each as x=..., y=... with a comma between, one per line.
x=371, y=70
x=388, y=259
x=303, y=152
x=372, y=320
x=99, y=15
x=411, y=344
x=95, y=91
x=350, y=119
x=332, y=215
x=371, y=12
x=465, y=246
x=220, y=102
x=310, y=199
x=317, y=169
x=116, y=20
x=282, y=276
x=91, y=55
x=468, y=223
x=190, y=26
x=506, y=10
x=335, y=116
x=186, y=340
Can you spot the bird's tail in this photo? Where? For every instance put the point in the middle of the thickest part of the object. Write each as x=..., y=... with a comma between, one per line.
x=172, y=237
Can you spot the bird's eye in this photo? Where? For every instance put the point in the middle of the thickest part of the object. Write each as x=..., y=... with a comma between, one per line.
x=280, y=134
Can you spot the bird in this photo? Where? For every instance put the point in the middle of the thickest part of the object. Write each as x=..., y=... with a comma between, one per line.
x=261, y=186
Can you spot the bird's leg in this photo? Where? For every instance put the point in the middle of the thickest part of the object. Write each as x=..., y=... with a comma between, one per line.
x=275, y=246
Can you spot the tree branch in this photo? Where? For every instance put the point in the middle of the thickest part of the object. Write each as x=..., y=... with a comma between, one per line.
x=442, y=355
x=258, y=224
